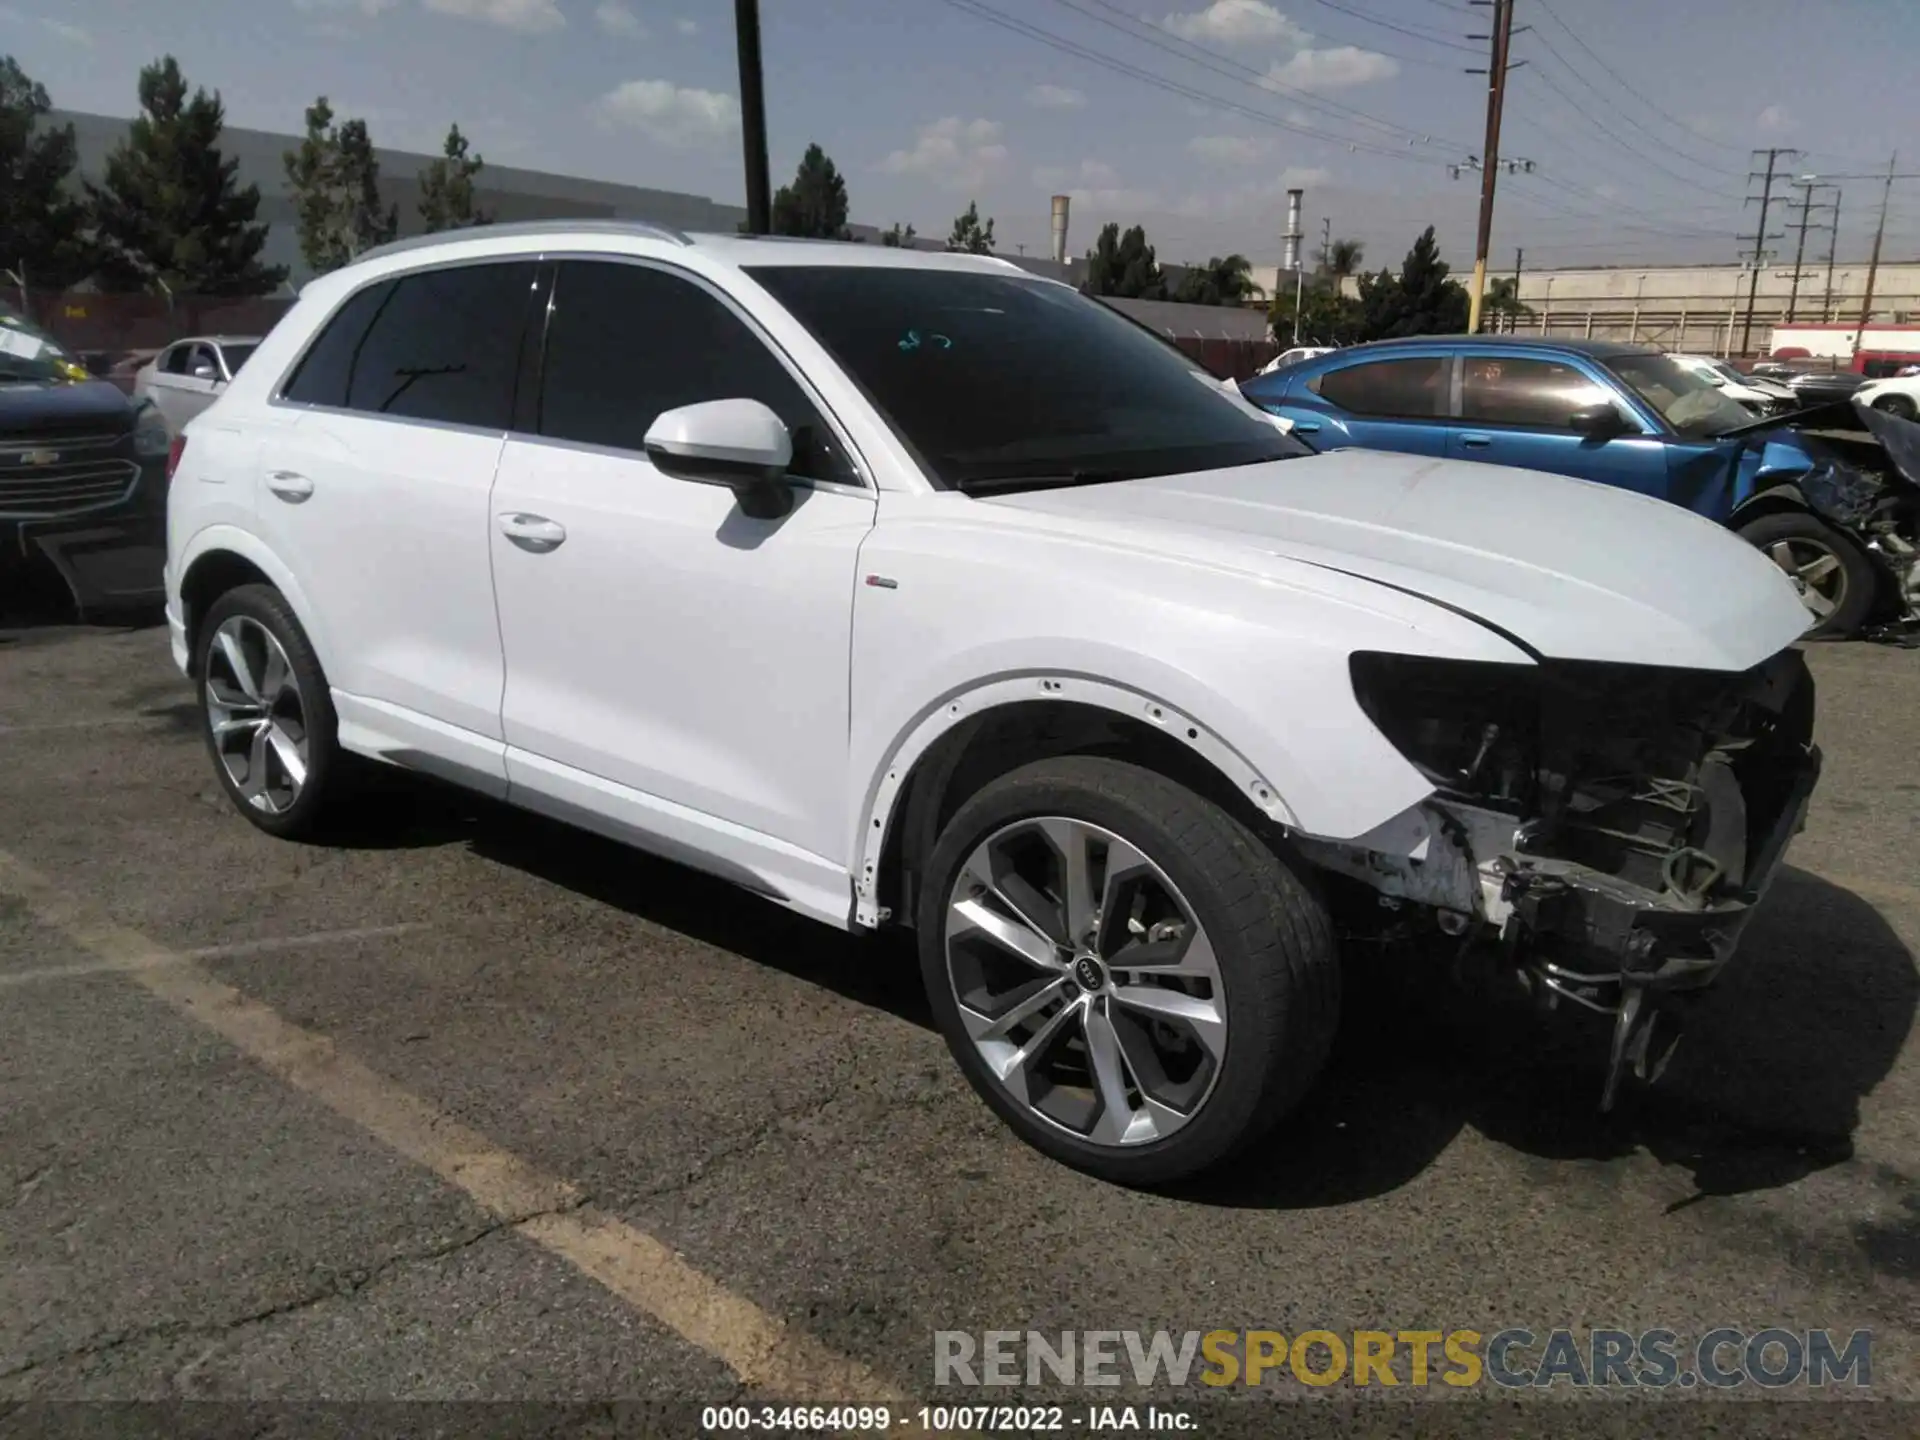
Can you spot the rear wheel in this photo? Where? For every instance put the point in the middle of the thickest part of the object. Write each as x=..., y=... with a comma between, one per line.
x=1835, y=578
x=1135, y=983
x=1900, y=405
x=268, y=713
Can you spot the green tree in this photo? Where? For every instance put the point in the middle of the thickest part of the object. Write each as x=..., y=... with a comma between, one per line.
x=1420, y=300
x=335, y=181
x=897, y=238
x=1124, y=265
x=1503, y=302
x=1327, y=317
x=446, y=187
x=1227, y=281
x=168, y=211
x=1340, y=258
x=43, y=221
x=969, y=235
x=815, y=205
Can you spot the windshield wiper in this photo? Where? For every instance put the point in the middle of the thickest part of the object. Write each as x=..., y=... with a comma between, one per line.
x=1057, y=480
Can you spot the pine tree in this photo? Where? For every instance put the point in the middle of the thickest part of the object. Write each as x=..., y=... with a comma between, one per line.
x=968, y=233
x=897, y=238
x=335, y=181
x=169, y=212
x=43, y=221
x=815, y=205
x=1421, y=300
x=447, y=190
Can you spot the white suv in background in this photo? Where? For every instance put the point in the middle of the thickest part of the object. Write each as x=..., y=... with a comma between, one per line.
x=909, y=587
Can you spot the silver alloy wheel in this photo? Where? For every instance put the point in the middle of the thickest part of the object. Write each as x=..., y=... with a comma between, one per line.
x=1815, y=570
x=256, y=715
x=1085, y=981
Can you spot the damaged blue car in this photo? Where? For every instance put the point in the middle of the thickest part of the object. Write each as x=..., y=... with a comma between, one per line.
x=1630, y=417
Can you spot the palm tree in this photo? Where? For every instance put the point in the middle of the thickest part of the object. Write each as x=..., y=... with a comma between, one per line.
x=1503, y=300
x=1341, y=258
x=1221, y=281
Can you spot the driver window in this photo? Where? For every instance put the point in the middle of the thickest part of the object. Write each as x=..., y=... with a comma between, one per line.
x=1516, y=390
x=626, y=342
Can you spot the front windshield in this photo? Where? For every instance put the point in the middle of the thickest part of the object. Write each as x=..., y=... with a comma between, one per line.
x=237, y=356
x=28, y=355
x=1690, y=404
x=1001, y=381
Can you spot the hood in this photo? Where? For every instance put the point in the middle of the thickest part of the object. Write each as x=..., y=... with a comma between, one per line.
x=33, y=405
x=1570, y=569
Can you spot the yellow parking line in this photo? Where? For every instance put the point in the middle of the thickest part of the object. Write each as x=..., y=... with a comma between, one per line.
x=758, y=1347
x=238, y=950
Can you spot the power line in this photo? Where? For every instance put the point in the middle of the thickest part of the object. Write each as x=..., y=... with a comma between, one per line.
x=1220, y=64
x=1121, y=67
x=1690, y=181
x=1370, y=19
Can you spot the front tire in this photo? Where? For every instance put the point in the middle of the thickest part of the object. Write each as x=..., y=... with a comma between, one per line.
x=1836, y=580
x=1134, y=982
x=267, y=713
x=1900, y=405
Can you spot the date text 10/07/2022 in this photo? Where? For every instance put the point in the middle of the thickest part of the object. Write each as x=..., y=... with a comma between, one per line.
x=941, y=1419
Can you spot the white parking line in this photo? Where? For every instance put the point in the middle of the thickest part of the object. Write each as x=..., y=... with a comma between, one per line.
x=643, y=1271
x=216, y=952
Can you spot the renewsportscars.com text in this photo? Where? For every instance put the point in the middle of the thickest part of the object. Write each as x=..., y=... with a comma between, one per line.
x=1516, y=1358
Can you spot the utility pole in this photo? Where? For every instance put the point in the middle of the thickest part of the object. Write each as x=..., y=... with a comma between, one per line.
x=1806, y=205
x=1760, y=237
x=753, y=117
x=1873, y=263
x=1500, y=38
x=1833, y=247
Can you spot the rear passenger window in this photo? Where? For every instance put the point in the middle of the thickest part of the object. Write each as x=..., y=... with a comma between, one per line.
x=626, y=342
x=322, y=374
x=445, y=346
x=1536, y=394
x=1414, y=388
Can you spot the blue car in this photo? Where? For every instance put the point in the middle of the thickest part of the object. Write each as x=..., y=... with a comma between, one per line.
x=1621, y=415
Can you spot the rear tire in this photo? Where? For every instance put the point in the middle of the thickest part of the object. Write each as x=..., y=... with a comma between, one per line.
x=1900, y=405
x=267, y=714
x=1212, y=996
x=1835, y=578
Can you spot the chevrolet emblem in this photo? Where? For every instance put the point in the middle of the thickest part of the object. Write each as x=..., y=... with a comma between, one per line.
x=38, y=457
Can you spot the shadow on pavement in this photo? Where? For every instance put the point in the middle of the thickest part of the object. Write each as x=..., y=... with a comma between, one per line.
x=1764, y=1089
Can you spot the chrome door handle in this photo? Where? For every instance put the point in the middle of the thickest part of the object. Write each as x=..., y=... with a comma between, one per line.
x=1307, y=427
x=1476, y=442
x=533, y=533
x=289, y=486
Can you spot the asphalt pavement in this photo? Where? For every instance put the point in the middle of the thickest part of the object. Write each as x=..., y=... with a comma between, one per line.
x=475, y=1108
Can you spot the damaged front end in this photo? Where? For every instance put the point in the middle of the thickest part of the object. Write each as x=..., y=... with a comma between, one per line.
x=1604, y=831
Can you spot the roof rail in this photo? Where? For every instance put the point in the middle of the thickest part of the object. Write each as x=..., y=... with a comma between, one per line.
x=642, y=228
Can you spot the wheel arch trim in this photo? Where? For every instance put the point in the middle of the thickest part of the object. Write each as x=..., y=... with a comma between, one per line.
x=231, y=539
x=881, y=811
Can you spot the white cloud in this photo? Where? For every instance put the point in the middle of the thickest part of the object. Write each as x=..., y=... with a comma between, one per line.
x=669, y=114
x=1228, y=149
x=1775, y=120
x=1266, y=193
x=687, y=27
x=617, y=19
x=72, y=34
x=954, y=153
x=1331, y=69
x=1237, y=21
x=1056, y=97
x=530, y=16
x=1094, y=185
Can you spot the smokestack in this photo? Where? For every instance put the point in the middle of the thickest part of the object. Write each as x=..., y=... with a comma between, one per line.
x=1292, y=237
x=1060, y=229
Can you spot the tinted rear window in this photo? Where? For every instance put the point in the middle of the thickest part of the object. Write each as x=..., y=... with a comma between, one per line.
x=446, y=347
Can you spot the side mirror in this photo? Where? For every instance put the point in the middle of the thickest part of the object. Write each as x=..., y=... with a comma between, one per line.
x=740, y=444
x=203, y=371
x=1598, y=422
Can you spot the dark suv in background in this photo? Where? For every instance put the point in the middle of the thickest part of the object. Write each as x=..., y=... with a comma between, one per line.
x=83, y=481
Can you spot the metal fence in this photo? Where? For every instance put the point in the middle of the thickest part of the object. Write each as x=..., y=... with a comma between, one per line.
x=97, y=325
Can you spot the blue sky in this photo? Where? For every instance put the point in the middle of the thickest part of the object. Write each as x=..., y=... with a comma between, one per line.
x=1189, y=116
